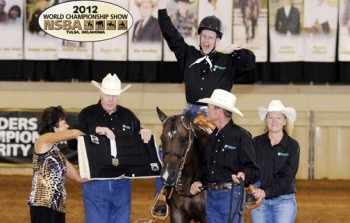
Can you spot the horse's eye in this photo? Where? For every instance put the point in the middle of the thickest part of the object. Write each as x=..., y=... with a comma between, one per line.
x=183, y=139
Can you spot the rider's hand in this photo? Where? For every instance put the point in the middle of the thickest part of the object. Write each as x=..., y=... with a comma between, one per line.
x=232, y=47
x=235, y=178
x=195, y=187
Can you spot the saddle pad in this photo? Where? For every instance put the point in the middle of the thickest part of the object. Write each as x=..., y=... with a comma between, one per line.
x=135, y=159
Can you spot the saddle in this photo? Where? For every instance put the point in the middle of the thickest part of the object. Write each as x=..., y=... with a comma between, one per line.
x=203, y=122
x=250, y=201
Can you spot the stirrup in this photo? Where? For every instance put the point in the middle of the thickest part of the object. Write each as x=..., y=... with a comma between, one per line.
x=160, y=197
x=251, y=202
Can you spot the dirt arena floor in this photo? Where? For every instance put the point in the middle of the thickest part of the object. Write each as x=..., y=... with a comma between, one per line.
x=318, y=201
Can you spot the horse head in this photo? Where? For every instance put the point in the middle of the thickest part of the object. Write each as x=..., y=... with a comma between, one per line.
x=183, y=145
x=176, y=140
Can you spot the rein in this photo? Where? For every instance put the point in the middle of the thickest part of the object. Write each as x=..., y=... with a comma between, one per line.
x=240, y=203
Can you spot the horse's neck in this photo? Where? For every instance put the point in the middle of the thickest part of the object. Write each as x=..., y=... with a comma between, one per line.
x=194, y=159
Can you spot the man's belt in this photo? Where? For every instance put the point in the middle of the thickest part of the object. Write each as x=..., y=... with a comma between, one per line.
x=223, y=186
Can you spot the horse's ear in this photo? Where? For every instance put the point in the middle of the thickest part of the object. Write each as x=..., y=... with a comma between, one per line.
x=188, y=118
x=161, y=115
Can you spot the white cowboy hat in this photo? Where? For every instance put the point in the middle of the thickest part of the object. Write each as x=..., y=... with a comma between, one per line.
x=111, y=85
x=223, y=99
x=277, y=106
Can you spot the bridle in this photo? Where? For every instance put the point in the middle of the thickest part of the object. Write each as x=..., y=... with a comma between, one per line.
x=182, y=159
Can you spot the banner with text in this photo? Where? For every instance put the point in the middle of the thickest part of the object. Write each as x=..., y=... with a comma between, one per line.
x=145, y=37
x=38, y=45
x=250, y=26
x=285, y=29
x=11, y=26
x=18, y=133
x=320, y=27
x=344, y=30
x=113, y=49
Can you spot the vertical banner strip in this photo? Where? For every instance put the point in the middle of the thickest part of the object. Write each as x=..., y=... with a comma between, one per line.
x=320, y=26
x=285, y=29
x=344, y=31
x=250, y=26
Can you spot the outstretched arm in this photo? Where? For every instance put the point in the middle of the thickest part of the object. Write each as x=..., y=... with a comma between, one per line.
x=73, y=174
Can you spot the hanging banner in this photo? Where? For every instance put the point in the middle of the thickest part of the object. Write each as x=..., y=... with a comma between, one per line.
x=344, y=31
x=250, y=26
x=11, y=26
x=145, y=36
x=220, y=9
x=113, y=49
x=184, y=16
x=18, y=133
x=75, y=50
x=320, y=25
x=285, y=29
x=38, y=45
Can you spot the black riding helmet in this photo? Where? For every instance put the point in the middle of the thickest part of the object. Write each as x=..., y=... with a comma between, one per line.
x=212, y=23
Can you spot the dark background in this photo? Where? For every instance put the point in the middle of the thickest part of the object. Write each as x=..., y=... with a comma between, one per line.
x=168, y=72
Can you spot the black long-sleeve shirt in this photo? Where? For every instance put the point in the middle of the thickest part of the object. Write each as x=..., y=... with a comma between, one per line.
x=200, y=81
x=278, y=164
x=122, y=122
x=230, y=151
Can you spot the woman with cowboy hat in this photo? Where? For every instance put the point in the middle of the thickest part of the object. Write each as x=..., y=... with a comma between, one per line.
x=229, y=156
x=277, y=155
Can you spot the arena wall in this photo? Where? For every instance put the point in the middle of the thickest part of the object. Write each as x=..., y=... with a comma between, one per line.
x=322, y=126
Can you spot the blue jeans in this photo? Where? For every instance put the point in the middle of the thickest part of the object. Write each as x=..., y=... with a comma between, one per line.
x=107, y=201
x=282, y=209
x=218, y=205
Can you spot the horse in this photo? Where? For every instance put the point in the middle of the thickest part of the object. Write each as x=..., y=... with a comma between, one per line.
x=250, y=13
x=183, y=145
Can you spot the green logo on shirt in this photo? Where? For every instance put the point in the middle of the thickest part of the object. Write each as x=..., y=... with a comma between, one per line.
x=230, y=147
x=216, y=67
x=126, y=127
x=282, y=154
